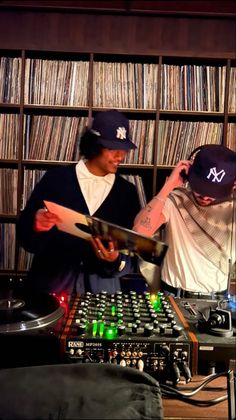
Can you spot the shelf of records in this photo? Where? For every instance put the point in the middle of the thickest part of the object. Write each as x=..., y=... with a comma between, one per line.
x=8, y=190
x=8, y=250
x=129, y=85
x=61, y=134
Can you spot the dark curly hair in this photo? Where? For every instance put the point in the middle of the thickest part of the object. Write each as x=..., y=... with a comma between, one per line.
x=88, y=147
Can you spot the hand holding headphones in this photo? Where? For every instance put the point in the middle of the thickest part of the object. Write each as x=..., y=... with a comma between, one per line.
x=179, y=173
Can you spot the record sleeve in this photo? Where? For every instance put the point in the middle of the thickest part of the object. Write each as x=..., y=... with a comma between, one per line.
x=125, y=240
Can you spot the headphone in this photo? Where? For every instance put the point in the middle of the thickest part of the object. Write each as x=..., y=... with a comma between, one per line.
x=183, y=173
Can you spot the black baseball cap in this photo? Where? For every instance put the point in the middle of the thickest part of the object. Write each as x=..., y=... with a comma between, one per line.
x=112, y=129
x=213, y=171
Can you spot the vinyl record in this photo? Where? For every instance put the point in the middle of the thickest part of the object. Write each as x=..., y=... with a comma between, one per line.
x=21, y=311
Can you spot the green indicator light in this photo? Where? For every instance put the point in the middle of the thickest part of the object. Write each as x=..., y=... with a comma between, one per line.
x=113, y=310
x=101, y=329
x=110, y=333
x=94, y=328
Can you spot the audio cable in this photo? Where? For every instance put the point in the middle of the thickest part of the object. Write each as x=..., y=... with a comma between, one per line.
x=170, y=392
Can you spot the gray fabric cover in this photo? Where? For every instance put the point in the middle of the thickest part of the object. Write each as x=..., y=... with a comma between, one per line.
x=78, y=391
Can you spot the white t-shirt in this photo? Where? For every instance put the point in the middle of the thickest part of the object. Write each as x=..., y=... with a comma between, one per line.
x=185, y=265
x=94, y=188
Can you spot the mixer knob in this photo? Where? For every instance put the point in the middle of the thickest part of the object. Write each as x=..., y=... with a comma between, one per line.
x=119, y=299
x=170, y=316
x=173, y=322
x=155, y=323
x=134, y=328
x=119, y=315
x=162, y=328
x=122, y=362
x=81, y=328
x=177, y=330
x=136, y=311
x=168, y=310
x=148, y=330
x=81, y=313
x=121, y=330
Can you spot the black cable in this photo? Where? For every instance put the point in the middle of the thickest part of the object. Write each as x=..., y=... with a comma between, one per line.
x=170, y=392
x=202, y=403
x=195, y=390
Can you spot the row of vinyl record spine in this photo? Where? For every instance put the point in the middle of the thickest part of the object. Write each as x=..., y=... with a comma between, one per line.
x=187, y=87
x=61, y=135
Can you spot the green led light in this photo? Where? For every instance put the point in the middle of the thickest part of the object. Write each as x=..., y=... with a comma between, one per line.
x=110, y=332
x=113, y=310
x=94, y=328
x=157, y=308
x=101, y=329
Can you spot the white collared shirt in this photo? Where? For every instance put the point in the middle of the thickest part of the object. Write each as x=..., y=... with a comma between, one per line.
x=94, y=188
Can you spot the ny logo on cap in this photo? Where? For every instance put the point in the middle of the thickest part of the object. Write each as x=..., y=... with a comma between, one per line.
x=217, y=176
x=121, y=133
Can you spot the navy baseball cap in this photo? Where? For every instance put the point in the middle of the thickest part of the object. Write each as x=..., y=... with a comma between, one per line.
x=213, y=171
x=112, y=130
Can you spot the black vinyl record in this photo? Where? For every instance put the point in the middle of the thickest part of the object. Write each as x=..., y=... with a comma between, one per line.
x=22, y=310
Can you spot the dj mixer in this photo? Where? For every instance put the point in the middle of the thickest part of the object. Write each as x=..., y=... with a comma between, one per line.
x=137, y=330
x=170, y=338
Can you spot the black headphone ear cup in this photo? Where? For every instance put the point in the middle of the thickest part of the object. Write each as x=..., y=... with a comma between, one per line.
x=183, y=173
x=195, y=151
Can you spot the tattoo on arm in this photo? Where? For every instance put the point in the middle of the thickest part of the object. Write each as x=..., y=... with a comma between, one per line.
x=148, y=208
x=146, y=222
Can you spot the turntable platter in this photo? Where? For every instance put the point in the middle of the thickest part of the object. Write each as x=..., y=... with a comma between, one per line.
x=25, y=311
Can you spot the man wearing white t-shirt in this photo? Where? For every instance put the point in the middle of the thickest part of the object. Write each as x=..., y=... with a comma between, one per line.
x=199, y=221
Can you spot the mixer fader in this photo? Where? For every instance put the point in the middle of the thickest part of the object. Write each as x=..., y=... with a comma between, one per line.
x=141, y=331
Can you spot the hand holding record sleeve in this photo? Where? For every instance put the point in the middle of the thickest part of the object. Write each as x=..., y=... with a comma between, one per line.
x=128, y=241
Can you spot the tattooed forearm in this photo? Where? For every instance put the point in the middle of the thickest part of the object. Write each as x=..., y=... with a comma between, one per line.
x=146, y=222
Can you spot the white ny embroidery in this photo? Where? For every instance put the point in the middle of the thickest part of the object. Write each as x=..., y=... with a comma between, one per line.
x=121, y=133
x=217, y=176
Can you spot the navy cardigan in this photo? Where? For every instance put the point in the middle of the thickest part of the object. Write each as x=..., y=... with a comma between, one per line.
x=63, y=262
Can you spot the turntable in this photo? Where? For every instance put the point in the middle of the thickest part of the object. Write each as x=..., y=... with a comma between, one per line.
x=20, y=312
x=29, y=325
